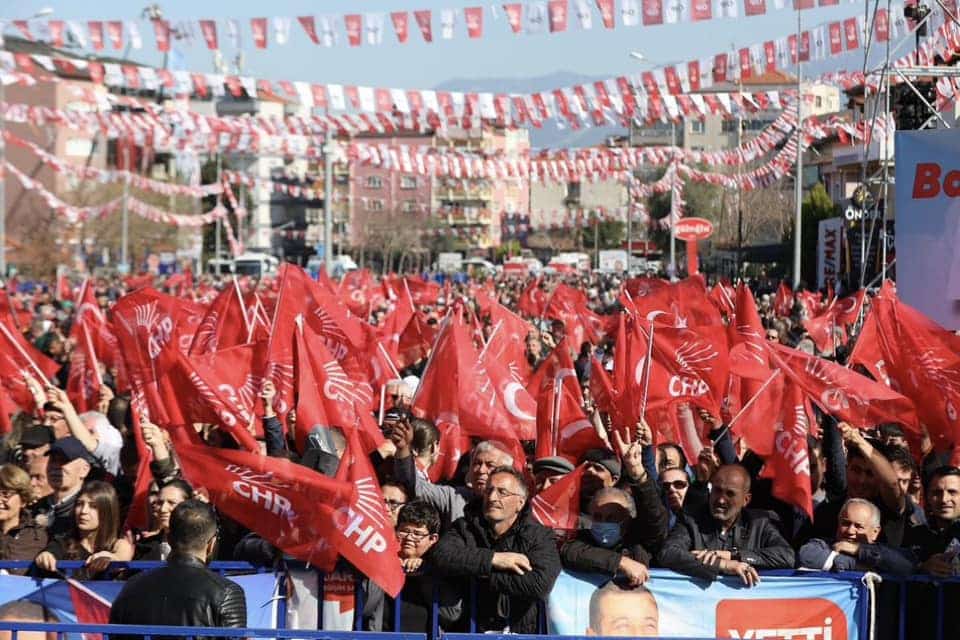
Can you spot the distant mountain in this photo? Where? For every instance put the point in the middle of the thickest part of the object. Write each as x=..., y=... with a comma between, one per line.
x=550, y=135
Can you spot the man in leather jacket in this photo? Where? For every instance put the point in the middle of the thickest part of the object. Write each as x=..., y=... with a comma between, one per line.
x=185, y=592
x=723, y=538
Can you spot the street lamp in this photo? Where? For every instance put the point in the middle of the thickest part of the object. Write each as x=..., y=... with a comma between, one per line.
x=641, y=58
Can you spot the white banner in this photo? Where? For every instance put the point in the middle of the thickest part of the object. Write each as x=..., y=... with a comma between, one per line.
x=829, y=251
x=928, y=223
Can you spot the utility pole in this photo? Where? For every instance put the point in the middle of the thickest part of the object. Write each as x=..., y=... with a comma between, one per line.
x=630, y=179
x=219, y=223
x=739, y=270
x=673, y=207
x=125, y=221
x=798, y=187
x=328, y=148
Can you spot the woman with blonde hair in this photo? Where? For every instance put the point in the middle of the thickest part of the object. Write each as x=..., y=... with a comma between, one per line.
x=20, y=537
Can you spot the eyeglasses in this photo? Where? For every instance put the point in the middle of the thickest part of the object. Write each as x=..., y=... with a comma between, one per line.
x=413, y=536
x=676, y=484
x=501, y=492
x=393, y=505
x=7, y=494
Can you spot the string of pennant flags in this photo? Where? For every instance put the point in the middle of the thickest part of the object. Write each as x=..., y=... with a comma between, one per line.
x=370, y=28
x=670, y=92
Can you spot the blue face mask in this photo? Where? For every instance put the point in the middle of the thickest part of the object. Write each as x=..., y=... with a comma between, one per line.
x=606, y=534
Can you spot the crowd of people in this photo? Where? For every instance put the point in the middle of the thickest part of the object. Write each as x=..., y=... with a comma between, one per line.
x=882, y=500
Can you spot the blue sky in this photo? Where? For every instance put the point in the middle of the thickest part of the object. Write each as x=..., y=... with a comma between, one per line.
x=499, y=53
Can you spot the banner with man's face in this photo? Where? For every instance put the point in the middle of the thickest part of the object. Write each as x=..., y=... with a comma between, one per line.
x=671, y=605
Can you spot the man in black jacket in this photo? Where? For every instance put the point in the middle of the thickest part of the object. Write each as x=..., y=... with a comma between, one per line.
x=513, y=558
x=183, y=593
x=724, y=538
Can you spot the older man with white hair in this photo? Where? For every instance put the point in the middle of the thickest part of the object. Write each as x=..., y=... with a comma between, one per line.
x=856, y=547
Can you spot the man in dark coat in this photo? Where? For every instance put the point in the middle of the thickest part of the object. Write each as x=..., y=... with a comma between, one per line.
x=513, y=558
x=723, y=538
x=183, y=593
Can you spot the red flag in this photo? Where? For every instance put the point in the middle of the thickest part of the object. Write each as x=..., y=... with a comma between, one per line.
x=457, y=389
x=789, y=462
x=508, y=342
x=836, y=37
x=18, y=358
x=273, y=497
x=115, y=33
x=754, y=7
x=848, y=309
x=137, y=516
x=851, y=33
x=558, y=13
x=364, y=533
x=606, y=13
x=533, y=300
x=562, y=426
x=914, y=356
x=95, y=27
x=423, y=21
x=400, y=21
x=84, y=380
x=89, y=607
x=329, y=396
x=310, y=28
x=514, y=13
x=225, y=323
x=64, y=290
x=558, y=506
x=843, y=393
x=474, y=19
x=258, y=27
x=209, y=30
x=219, y=388
x=161, y=30
x=783, y=302
x=652, y=12
x=353, y=23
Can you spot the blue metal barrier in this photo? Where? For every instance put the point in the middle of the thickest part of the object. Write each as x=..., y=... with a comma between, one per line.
x=901, y=621
x=148, y=631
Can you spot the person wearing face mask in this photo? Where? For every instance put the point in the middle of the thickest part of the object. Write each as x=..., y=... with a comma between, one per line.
x=184, y=592
x=603, y=546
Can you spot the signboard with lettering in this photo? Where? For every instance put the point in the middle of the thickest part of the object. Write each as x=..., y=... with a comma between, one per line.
x=693, y=229
x=829, y=251
x=928, y=223
x=674, y=606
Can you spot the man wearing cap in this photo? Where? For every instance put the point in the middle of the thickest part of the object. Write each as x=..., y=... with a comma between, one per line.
x=68, y=465
x=34, y=444
x=547, y=471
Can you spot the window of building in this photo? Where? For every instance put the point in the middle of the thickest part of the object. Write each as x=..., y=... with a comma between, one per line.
x=410, y=206
x=375, y=205
x=729, y=126
x=408, y=182
x=818, y=102
x=374, y=182
x=696, y=126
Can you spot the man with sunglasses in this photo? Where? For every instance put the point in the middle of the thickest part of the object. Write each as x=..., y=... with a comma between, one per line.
x=513, y=558
x=674, y=484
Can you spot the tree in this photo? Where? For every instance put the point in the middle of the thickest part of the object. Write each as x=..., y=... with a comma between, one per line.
x=816, y=206
x=610, y=234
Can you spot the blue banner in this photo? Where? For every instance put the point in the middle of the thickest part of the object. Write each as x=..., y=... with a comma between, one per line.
x=671, y=605
x=259, y=588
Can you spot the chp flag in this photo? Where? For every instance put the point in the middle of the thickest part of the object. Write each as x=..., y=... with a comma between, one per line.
x=829, y=251
x=928, y=223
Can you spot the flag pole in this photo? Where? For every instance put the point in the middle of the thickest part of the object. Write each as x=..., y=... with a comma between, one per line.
x=646, y=374
x=243, y=308
x=93, y=354
x=751, y=400
x=490, y=339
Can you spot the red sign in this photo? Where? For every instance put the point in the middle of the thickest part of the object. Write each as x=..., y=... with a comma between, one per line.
x=693, y=229
x=781, y=618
